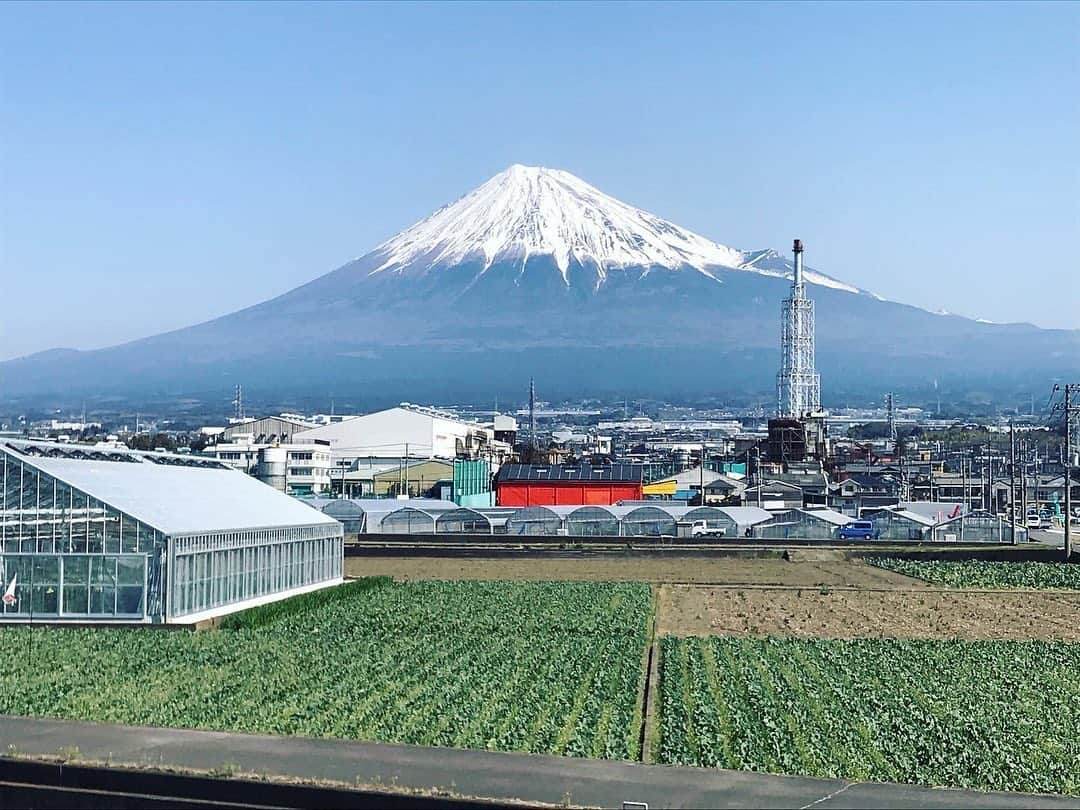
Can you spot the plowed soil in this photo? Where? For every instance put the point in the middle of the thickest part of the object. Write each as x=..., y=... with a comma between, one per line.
x=824, y=613
x=704, y=570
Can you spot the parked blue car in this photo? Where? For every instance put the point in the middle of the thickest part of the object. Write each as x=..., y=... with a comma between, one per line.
x=859, y=530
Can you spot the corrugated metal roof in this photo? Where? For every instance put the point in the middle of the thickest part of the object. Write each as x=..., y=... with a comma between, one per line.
x=631, y=473
x=180, y=499
x=691, y=478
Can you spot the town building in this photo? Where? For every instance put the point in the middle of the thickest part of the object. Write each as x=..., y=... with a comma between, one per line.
x=298, y=469
x=775, y=496
x=265, y=430
x=407, y=432
x=558, y=485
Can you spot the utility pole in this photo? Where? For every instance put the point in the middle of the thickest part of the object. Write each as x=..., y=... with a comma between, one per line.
x=963, y=478
x=1012, y=483
x=890, y=415
x=1069, y=389
x=899, y=446
x=1023, y=481
x=702, y=470
x=932, y=500
x=1068, y=467
x=757, y=473
x=532, y=414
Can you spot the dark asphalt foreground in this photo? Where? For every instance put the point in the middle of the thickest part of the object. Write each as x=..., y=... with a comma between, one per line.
x=538, y=779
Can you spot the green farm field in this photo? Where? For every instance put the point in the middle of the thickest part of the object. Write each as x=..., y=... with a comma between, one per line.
x=540, y=667
x=994, y=715
x=560, y=668
x=985, y=574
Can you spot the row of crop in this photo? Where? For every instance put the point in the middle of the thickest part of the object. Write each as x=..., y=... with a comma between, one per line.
x=986, y=574
x=539, y=667
x=987, y=715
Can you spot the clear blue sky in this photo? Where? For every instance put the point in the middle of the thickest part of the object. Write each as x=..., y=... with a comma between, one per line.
x=164, y=164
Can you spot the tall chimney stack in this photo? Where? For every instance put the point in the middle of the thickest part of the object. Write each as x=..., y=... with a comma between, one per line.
x=798, y=263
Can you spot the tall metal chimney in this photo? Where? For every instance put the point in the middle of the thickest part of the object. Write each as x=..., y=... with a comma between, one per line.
x=798, y=263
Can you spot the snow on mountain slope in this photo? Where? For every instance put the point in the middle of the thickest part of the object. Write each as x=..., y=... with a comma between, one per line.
x=771, y=263
x=528, y=211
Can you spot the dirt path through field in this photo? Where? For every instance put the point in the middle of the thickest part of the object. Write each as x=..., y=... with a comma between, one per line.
x=822, y=613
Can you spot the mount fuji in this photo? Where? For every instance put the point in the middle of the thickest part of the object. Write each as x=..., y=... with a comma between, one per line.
x=538, y=273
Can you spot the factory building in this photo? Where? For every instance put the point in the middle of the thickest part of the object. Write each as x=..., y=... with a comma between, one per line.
x=408, y=431
x=298, y=469
x=104, y=535
x=558, y=485
x=264, y=430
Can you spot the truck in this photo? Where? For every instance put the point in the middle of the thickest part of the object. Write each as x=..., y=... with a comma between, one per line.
x=859, y=530
x=703, y=529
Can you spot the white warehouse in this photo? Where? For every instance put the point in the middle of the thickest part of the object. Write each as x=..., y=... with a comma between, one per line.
x=407, y=431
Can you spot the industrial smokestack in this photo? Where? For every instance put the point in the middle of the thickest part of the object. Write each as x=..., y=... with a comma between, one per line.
x=798, y=263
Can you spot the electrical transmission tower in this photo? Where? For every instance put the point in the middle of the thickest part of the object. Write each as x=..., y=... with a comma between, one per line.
x=890, y=411
x=798, y=384
x=238, y=403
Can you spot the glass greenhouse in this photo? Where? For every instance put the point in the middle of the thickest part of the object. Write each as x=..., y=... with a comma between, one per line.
x=93, y=534
x=649, y=521
x=978, y=527
x=592, y=521
x=814, y=524
x=536, y=521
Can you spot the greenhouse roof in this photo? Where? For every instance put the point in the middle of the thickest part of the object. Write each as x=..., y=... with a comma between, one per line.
x=172, y=498
x=907, y=514
x=828, y=515
x=746, y=515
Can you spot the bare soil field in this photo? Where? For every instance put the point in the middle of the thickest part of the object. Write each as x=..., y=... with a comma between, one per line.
x=822, y=613
x=704, y=570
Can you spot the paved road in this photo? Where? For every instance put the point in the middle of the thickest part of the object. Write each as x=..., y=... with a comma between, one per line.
x=536, y=779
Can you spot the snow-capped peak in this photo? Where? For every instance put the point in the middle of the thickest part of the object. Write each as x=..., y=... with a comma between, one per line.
x=529, y=211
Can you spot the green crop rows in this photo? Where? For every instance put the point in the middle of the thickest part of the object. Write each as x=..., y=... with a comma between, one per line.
x=528, y=666
x=989, y=715
x=981, y=574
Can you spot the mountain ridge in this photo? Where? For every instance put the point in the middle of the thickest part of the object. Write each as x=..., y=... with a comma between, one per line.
x=535, y=271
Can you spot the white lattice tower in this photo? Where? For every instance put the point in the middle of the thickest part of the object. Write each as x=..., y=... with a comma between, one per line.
x=798, y=384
